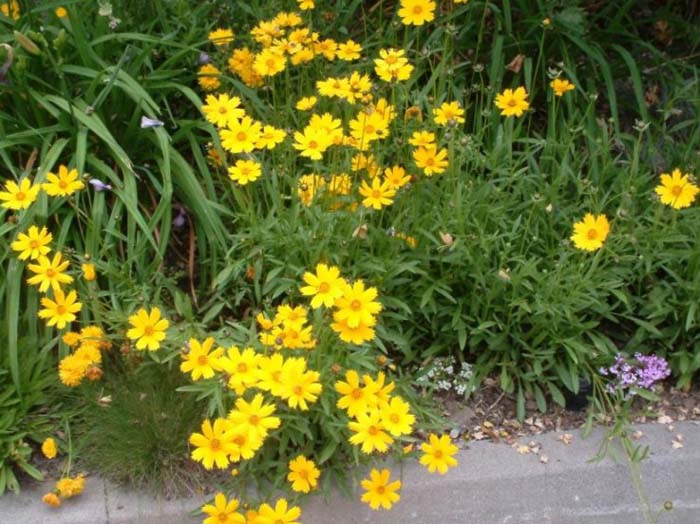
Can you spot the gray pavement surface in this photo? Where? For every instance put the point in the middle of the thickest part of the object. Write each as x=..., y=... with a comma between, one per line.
x=493, y=484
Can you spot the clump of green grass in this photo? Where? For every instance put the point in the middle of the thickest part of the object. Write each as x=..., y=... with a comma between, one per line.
x=140, y=437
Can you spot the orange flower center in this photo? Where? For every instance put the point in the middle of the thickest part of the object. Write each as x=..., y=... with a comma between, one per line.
x=62, y=184
x=592, y=234
x=676, y=190
x=254, y=420
x=242, y=367
x=373, y=430
x=215, y=444
x=148, y=331
x=222, y=110
x=381, y=490
x=303, y=474
x=395, y=418
x=34, y=244
x=369, y=129
x=241, y=136
x=279, y=521
x=20, y=195
x=298, y=390
x=417, y=10
x=313, y=144
x=512, y=102
x=223, y=517
x=324, y=287
x=276, y=376
x=355, y=305
x=430, y=162
x=376, y=194
x=270, y=63
x=203, y=360
x=50, y=273
x=61, y=309
x=356, y=393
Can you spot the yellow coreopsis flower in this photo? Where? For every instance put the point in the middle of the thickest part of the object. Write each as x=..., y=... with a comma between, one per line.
x=397, y=418
x=362, y=332
x=312, y=143
x=214, y=445
x=438, y=454
x=354, y=397
x=64, y=184
x=303, y=474
x=417, y=12
x=61, y=12
x=220, y=37
x=223, y=511
x=299, y=386
x=676, y=190
x=431, y=159
x=270, y=374
x=71, y=370
x=349, y=50
x=392, y=65
x=241, y=136
x=61, y=310
x=33, y=244
x=306, y=103
x=308, y=187
x=280, y=514
x=561, y=86
x=245, y=171
x=357, y=305
x=422, y=139
x=51, y=499
x=254, y=418
x=208, y=77
x=449, y=113
x=68, y=487
x=270, y=137
x=269, y=63
x=242, y=368
x=89, y=272
x=325, y=286
x=591, y=232
x=50, y=273
x=200, y=360
x=396, y=177
x=305, y=5
x=512, y=102
x=379, y=491
x=49, y=449
x=222, y=110
x=148, y=329
x=19, y=196
x=380, y=194
x=11, y=9
x=369, y=432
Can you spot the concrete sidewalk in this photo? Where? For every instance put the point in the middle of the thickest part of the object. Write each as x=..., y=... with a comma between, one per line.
x=493, y=484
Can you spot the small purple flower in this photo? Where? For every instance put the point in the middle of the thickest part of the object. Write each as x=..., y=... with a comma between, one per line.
x=147, y=123
x=203, y=58
x=641, y=371
x=99, y=185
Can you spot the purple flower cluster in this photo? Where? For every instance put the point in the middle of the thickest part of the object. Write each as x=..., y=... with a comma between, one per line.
x=643, y=371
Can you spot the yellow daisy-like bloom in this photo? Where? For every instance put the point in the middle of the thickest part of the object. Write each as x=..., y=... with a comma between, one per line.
x=222, y=110
x=11, y=9
x=438, y=454
x=312, y=143
x=70, y=487
x=327, y=48
x=305, y=5
x=214, y=444
x=591, y=232
x=270, y=374
x=431, y=160
x=306, y=103
x=325, y=123
x=325, y=286
x=296, y=316
x=349, y=51
x=49, y=449
x=378, y=394
x=223, y=511
x=49, y=273
x=417, y=12
x=357, y=305
x=308, y=187
x=449, y=113
x=254, y=417
x=422, y=139
x=19, y=196
x=61, y=310
x=89, y=272
x=61, y=12
x=221, y=37
x=51, y=499
x=369, y=432
x=512, y=102
x=270, y=137
x=396, y=177
x=208, y=77
x=303, y=474
x=354, y=397
x=280, y=514
x=359, y=334
x=71, y=370
x=64, y=184
x=200, y=360
x=299, y=386
x=242, y=367
x=244, y=446
x=380, y=194
x=245, y=171
x=148, y=329
x=676, y=190
x=561, y=86
x=392, y=65
x=241, y=136
x=397, y=418
x=33, y=244
x=379, y=491
x=269, y=63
